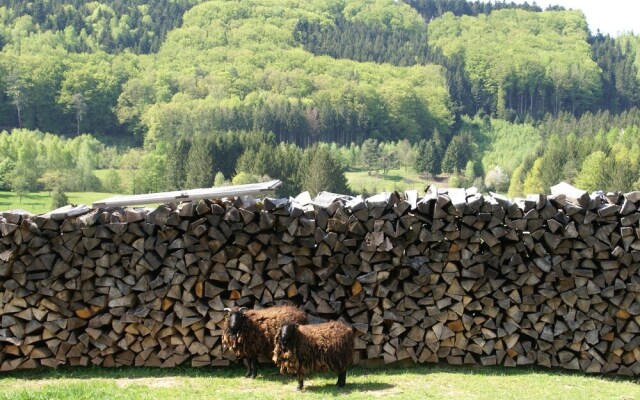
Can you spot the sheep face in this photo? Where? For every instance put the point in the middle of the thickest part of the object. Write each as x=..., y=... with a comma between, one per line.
x=288, y=335
x=236, y=319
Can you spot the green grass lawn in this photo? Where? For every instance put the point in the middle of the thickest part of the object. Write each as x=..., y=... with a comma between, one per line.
x=361, y=180
x=416, y=382
x=102, y=173
x=40, y=202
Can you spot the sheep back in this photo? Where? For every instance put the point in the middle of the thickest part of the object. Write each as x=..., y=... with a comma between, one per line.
x=318, y=348
x=257, y=334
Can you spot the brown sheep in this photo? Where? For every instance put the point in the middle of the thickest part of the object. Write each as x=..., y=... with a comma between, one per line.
x=322, y=347
x=250, y=333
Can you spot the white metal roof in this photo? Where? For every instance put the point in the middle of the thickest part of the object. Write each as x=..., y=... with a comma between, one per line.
x=192, y=194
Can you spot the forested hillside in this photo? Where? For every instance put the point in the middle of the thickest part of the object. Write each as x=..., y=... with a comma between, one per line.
x=112, y=26
x=524, y=63
x=236, y=64
x=179, y=91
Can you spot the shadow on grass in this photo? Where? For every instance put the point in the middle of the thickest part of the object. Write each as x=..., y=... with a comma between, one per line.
x=270, y=373
x=392, y=178
x=480, y=370
x=331, y=388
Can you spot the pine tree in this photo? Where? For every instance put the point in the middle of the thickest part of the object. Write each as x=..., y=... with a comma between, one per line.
x=322, y=171
x=199, y=164
x=533, y=183
x=427, y=161
x=458, y=153
x=552, y=163
x=177, y=159
x=371, y=154
x=419, y=165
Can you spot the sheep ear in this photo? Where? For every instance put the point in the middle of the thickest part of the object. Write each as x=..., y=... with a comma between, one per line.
x=227, y=310
x=243, y=309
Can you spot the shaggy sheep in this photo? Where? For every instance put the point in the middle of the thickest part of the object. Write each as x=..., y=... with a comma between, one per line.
x=322, y=347
x=250, y=333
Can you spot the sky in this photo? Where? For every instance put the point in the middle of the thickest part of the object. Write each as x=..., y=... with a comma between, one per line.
x=610, y=16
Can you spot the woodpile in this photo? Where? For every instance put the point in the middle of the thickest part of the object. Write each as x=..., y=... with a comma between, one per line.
x=452, y=277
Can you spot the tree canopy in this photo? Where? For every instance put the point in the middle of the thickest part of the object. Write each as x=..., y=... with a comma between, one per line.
x=522, y=62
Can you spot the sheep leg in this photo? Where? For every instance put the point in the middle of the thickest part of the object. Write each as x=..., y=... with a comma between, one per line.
x=342, y=379
x=300, y=380
x=247, y=363
x=253, y=362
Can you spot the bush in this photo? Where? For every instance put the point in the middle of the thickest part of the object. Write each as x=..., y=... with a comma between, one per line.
x=456, y=181
x=496, y=180
x=58, y=198
x=219, y=180
x=6, y=167
x=243, y=178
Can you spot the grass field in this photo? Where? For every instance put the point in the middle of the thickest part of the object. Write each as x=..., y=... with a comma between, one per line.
x=102, y=174
x=40, y=202
x=361, y=180
x=417, y=382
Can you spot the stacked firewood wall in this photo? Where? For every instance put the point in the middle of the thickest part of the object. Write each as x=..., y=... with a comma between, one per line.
x=453, y=277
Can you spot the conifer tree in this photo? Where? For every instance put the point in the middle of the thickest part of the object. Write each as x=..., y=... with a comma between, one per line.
x=322, y=171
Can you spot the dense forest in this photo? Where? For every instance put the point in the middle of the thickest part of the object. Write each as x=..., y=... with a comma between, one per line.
x=375, y=43
x=430, y=9
x=136, y=25
x=185, y=93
